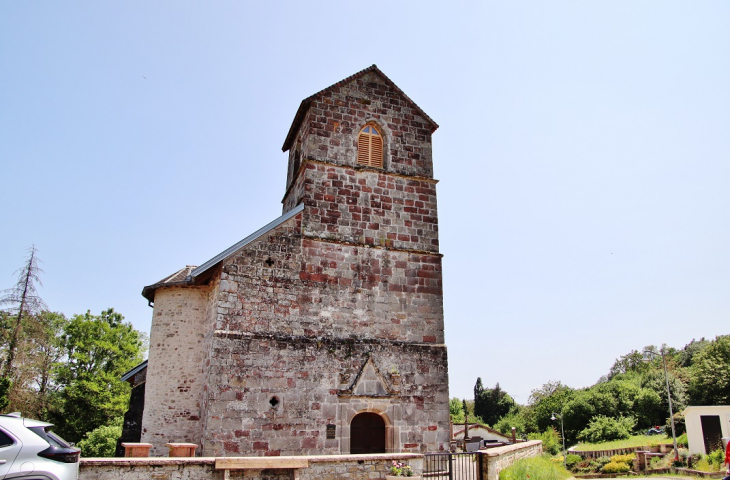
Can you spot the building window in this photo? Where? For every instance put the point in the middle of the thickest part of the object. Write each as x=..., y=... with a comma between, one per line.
x=370, y=147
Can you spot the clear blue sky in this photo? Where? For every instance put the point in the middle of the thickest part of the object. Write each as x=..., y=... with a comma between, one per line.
x=582, y=157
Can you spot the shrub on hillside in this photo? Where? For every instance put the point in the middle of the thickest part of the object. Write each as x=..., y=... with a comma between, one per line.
x=572, y=460
x=604, y=429
x=615, y=467
x=550, y=441
x=628, y=458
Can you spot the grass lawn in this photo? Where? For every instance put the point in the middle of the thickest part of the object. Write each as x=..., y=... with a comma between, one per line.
x=634, y=441
x=535, y=468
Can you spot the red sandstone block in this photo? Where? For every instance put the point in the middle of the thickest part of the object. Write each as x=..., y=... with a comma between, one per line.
x=231, y=447
x=309, y=443
x=260, y=446
x=429, y=338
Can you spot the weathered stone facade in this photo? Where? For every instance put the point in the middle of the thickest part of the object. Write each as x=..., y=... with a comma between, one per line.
x=334, y=467
x=335, y=309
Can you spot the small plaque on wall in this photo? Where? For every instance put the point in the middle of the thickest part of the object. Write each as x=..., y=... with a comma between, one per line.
x=331, y=431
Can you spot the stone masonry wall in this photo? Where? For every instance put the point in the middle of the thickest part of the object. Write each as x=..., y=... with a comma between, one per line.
x=362, y=467
x=494, y=460
x=366, y=207
x=334, y=119
x=309, y=377
x=288, y=285
x=174, y=387
x=210, y=322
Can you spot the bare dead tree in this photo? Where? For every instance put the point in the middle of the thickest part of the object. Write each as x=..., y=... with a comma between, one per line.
x=24, y=301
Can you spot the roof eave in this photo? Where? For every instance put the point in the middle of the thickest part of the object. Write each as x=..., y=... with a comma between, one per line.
x=148, y=292
x=195, y=274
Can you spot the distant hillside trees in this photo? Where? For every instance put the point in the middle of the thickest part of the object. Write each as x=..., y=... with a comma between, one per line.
x=632, y=396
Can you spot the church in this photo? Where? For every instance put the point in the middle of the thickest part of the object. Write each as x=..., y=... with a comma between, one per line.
x=323, y=331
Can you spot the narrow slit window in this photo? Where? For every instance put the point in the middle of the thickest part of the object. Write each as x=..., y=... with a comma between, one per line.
x=370, y=147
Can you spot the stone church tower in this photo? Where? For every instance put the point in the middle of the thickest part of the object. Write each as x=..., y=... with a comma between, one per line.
x=322, y=332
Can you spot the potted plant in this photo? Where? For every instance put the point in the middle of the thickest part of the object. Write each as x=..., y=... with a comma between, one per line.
x=395, y=376
x=400, y=469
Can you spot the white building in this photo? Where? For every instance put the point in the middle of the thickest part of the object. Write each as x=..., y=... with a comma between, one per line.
x=706, y=426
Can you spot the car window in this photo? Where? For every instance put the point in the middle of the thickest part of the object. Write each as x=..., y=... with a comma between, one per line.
x=5, y=440
x=54, y=439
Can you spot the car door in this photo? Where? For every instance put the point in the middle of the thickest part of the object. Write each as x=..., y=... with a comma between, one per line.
x=9, y=448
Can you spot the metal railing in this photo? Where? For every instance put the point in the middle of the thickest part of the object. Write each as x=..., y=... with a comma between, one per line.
x=452, y=466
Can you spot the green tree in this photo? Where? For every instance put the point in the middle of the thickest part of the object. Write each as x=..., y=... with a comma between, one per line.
x=710, y=380
x=685, y=358
x=521, y=418
x=631, y=362
x=47, y=351
x=100, y=348
x=551, y=398
x=491, y=404
x=478, y=395
x=648, y=409
x=657, y=381
x=456, y=410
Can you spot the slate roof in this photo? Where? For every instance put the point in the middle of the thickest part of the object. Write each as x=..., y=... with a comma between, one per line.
x=133, y=371
x=304, y=106
x=190, y=274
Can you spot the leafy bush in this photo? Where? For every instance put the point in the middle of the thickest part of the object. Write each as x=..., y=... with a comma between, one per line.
x=536, y=468
x=102, y=441
x=628, y=458
x=572, y=460
x=682, y=440
x=550, y=441
x=680, y=426
x=601, y=461
x=604, y=429
x=659, y=462
x=615, y=467
x=716, y=459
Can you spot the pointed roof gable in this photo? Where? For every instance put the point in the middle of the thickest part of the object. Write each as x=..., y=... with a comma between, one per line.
x=190, y=274
x=304, y=106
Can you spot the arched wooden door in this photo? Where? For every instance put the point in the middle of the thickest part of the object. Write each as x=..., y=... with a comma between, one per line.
x=367, y=433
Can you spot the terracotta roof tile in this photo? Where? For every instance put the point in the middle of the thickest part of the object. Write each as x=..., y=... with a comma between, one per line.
x=177, y=278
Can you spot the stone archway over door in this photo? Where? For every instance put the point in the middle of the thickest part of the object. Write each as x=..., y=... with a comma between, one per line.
x=367, y=433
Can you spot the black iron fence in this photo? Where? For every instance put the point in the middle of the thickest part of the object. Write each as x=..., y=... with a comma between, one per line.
x=452, y=466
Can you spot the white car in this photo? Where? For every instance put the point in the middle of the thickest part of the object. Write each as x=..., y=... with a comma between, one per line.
x=29, y=450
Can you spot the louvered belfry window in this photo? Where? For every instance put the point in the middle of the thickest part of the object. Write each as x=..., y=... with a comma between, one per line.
x=370, y=147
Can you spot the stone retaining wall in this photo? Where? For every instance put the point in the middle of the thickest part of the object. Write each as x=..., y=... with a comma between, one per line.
x=494, y=460
x=663, y=448
x=325, y=467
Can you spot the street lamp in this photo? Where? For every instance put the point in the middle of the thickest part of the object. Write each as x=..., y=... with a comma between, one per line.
x=562, y=431
x=648, y=354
